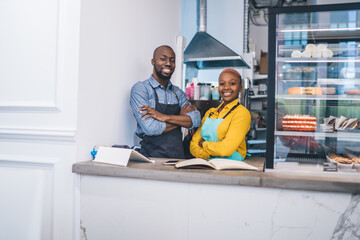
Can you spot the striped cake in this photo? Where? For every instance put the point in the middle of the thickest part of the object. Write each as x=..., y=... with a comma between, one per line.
x=299, y=122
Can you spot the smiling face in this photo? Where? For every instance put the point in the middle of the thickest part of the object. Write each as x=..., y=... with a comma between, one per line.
x=164, y=63
x=229, y=86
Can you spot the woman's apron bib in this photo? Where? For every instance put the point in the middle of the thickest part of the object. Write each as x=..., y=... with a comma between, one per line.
x=166, y=145
x=209, y=133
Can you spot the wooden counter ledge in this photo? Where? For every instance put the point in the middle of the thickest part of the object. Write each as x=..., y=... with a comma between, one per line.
x=312, y=178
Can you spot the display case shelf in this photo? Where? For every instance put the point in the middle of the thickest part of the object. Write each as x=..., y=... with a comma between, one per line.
x=287, y=49
x=344, y=136
x=338, y=81
x=320, y=97
x=324, y=34
x=319, y=60
x=326, y=81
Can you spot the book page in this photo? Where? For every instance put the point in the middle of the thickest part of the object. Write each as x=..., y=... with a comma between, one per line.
x=193, y=163
x=222, y=164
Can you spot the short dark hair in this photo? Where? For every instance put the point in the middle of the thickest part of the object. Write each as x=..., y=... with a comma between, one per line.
x=156, y=49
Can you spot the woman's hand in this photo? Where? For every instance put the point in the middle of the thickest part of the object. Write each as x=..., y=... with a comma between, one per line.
x=201, y=142
x=150, y=112
x=187, y=108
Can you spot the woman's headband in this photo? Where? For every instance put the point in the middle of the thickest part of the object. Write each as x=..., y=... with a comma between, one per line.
x=231, y=70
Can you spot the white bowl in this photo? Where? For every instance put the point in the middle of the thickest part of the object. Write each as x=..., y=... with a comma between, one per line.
x=344, y=167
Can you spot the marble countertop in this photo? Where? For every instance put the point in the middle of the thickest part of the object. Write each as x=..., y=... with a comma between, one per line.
x=302, y=178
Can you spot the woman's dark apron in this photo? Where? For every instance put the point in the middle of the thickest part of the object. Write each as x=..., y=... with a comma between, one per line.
x=166, y=145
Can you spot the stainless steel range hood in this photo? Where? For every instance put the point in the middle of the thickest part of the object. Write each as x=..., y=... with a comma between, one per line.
x=205, y=52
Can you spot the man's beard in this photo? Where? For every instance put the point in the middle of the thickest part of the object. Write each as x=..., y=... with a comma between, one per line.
x=160, y=75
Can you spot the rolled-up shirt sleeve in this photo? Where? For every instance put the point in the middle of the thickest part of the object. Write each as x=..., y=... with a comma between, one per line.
x=194, y=115
x=140, y=96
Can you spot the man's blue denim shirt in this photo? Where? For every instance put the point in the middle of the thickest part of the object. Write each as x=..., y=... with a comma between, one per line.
x=142, y=93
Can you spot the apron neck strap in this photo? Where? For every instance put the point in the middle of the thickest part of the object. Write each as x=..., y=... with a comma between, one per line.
x=157, y=98
x=228, y=111
x=231, y=110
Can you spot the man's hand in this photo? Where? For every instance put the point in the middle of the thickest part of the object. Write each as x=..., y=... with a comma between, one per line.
x=181, y=120
x=150, y=112
x=187, y=108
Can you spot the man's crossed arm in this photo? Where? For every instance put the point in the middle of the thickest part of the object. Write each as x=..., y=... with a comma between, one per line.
x=172, y=121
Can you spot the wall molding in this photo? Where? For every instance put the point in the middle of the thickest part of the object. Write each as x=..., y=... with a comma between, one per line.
x=29, y=161
x=64, y=135
x=50, y=104
x=46, y=196
x=29, y=107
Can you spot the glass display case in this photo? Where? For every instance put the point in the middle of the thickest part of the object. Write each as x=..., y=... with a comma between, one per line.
x=314, y=86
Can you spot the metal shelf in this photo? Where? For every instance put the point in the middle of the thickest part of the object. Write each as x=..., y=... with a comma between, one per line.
x=260, y=76
x=257, y=141
x=258, y=96
x=258, y=110
x=253, y=151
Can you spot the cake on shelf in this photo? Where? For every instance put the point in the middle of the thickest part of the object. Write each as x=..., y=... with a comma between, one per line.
x=305, y=91
x=299, y=122
x=352, y=92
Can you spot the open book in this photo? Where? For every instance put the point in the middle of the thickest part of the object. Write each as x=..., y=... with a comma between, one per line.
x=217, y=164
x=119, y=156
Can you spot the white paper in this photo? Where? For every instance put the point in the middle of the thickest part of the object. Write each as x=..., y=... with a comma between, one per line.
x=119, y=156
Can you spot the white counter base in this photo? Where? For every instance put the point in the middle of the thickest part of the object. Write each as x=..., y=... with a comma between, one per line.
x=128, y=208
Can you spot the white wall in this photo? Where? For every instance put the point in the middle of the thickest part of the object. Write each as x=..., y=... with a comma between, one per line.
x=116, y=46
x=49, y=118
x=225, y=22
x=259, y=36
x=38, y=74
x=38, y=65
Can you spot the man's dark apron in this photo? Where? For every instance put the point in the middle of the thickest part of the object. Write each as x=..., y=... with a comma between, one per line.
x=166, y=145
